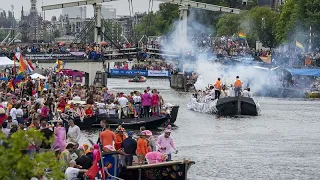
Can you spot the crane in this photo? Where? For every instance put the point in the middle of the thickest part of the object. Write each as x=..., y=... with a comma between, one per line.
x=97, y=11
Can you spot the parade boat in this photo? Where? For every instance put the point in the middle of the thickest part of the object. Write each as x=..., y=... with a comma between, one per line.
x=152, y=122
x=140, y=79
x=234, y=106
x=117, y=169
x=177, y=170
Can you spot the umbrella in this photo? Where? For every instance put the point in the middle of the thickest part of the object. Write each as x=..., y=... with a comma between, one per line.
x=104, y=43
x=36, y=75
x=61, y=43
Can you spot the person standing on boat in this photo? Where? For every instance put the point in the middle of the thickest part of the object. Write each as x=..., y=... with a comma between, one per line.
x=165, y=144
x=217, y=87
x=74, y=132
x=107, y=137
x=120, y=136
x=146, y=103
x=237, y=86
x=246, y=93
x=142, y=148
x=129, y=146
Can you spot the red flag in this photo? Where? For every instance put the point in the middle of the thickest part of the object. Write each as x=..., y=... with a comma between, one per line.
x=96, y=166
x=93, y=170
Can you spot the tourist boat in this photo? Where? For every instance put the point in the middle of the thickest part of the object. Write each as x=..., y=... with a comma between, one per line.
x=177, y=170
x=233, y=106
x=141, y=79
x=152, y=122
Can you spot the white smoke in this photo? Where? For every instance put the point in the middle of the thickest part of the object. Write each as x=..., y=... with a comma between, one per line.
x=210, y=71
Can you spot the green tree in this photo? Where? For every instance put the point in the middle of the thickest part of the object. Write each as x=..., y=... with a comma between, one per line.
x=2, y=34
x=15, y=164
x=286, y=24
x=264, y=25
x=228, y=24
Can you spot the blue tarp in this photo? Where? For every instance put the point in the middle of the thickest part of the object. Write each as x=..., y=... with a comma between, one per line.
x=304, y=72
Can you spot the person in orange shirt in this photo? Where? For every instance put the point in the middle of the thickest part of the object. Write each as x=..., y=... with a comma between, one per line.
x=142, y=148
x=237, y=87
x=217, y=90
x=120, y=136
x=107, y=137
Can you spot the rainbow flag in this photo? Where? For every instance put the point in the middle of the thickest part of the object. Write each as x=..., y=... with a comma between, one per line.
x=299, y=45
x=11, y=85
x=23, y=65
x=242, y=35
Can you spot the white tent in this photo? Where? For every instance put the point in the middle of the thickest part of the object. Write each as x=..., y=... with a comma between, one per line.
x=5, y=61
x=36, y=75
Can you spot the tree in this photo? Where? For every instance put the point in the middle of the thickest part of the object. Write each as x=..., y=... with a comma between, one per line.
x=56, y=33
x=15, y=164
x=2, y=34
x=228, y=24
x=288, y=17
x=263, y=24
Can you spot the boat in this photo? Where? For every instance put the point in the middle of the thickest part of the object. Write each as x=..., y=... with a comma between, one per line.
x=233, y=106
x=117, y=169
x=312, y=94
x=141, y=79
x=202, y=105
x=177, y=170
x=152, y=122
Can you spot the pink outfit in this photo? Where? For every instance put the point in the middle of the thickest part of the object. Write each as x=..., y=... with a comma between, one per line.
x=146, y=99
x=154, y=99
x=59, y=143
x=154, y=157
x=166, y=143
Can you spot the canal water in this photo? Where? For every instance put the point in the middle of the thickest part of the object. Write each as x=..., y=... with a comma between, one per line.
x=282, y=143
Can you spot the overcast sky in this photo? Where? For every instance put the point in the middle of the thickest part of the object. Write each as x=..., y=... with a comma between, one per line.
x=122, y=6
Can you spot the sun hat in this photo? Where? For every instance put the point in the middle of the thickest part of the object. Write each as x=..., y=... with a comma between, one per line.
x=147, y=132
x=111, y=148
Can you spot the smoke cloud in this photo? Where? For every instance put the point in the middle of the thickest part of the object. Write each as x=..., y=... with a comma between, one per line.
x=197, y=43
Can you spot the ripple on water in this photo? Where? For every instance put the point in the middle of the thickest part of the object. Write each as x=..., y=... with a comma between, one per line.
x=281, y=143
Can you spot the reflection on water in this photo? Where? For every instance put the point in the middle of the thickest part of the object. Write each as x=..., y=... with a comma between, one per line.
x=281, y=143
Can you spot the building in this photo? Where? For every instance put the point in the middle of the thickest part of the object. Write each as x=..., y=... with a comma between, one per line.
x=128, y=23
x=75, y=12
x=32, y=26
x=108, y=13
x=271, y=3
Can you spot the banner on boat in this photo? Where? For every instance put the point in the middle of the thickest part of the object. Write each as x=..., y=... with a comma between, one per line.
x=54, y=56
x=122, y=72
x=155, y=73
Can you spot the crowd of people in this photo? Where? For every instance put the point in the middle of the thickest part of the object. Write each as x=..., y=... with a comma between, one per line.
x=42, y=103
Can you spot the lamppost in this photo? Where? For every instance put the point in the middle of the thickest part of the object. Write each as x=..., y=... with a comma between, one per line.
x=12, y=22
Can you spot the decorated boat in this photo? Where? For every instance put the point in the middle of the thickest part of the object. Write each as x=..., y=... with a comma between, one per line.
x=169, y=115
x=177, y=170
x=116, y=168
x=233, y=106
x=140, y=79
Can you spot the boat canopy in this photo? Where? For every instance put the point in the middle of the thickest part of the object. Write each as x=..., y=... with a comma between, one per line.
x=304, y=72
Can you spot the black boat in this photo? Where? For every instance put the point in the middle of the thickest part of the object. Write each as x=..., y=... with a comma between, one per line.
x=152, y=122
x=177, y=170
x=233, y=106
x=117, y=169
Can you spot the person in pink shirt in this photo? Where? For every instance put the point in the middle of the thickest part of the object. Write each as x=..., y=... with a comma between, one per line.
x=146, y=103
x=155, y=157
x=155, y=102
x=165, y=144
